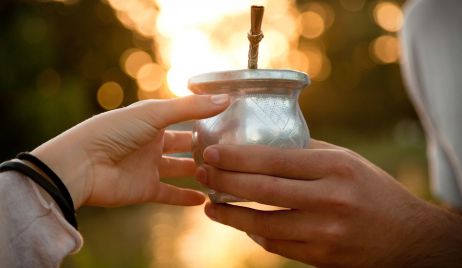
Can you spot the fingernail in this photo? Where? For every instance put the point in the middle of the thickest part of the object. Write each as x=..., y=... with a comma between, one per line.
x=211, y=155
x=210, y=211
x=220, y=99
x=201, y=175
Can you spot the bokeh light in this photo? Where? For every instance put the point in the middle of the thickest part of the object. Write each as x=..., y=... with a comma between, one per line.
x=389, y=16
x=313, y=24
x=322, y=9
x=188, y=45
x=110, y=95
x=319, y=66
x=385, y=49
x=217, y=245
x=201, y=243
x=298, y=60
x=150, y=77
x=133, y=59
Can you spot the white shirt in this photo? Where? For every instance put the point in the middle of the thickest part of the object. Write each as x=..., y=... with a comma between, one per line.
x=432, y=66
x=33, y=232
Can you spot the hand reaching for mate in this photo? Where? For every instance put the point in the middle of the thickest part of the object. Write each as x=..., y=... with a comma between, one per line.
x=116, y=158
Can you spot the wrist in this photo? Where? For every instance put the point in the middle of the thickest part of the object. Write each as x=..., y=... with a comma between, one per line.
x=439, y=240
x=69, y=163
x=449, y=247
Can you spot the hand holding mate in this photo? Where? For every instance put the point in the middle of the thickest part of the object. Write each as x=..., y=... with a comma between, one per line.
x=342, y=210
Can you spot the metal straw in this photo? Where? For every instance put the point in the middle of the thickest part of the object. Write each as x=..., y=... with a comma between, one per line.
x=255, y=35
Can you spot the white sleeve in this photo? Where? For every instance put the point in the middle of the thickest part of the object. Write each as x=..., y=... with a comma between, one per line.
x=33, y=233
x=432, y=66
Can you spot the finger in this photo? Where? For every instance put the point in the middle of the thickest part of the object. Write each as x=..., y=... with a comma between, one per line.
x=162, y=113
x=263, y=188
x=316, y=144
x=271, y=224
x=177, y=142
x=295, y=250
x=303, y=164
x=172, y=195
x=176, y=167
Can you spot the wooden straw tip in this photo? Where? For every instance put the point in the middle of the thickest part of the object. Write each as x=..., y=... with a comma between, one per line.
x=257, y=11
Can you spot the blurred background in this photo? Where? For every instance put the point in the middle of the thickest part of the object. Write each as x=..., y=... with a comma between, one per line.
x=64, y=61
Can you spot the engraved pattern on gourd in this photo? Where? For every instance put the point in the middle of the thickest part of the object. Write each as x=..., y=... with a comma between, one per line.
x=210, y=123
x=273, y=110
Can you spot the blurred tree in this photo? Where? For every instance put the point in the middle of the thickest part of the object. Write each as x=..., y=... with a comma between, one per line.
x=53, y=59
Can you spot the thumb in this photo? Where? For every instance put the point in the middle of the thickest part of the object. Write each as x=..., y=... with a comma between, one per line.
x=162, y=113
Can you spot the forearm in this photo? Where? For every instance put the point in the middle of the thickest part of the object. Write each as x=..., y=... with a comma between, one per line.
x=449, y=252
x=440, y=242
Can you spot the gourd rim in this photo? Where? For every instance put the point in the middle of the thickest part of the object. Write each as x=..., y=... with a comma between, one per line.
x=227, y=81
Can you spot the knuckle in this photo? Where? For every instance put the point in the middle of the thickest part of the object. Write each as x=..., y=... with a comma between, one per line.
x=343, y=204
x=333, y=235
x=326, y=253
x=345, y=165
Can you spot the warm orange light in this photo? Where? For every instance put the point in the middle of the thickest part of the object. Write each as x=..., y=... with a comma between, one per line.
x=110, y=95
x=150, y=77
x=319, y=66
x=198, y=37
x=133, y=59
x=298, y=60
x=216, y=245
x=385, y=49
x=322, y=9
x=312, y=24
x=388, y=16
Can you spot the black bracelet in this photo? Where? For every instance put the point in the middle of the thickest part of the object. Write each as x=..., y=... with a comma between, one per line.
x=66, y=208
x=50, y=173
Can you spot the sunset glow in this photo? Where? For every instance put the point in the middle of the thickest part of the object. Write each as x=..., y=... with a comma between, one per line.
x=193, y=37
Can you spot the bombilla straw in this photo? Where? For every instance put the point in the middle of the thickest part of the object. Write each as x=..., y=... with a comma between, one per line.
x=255, y=35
